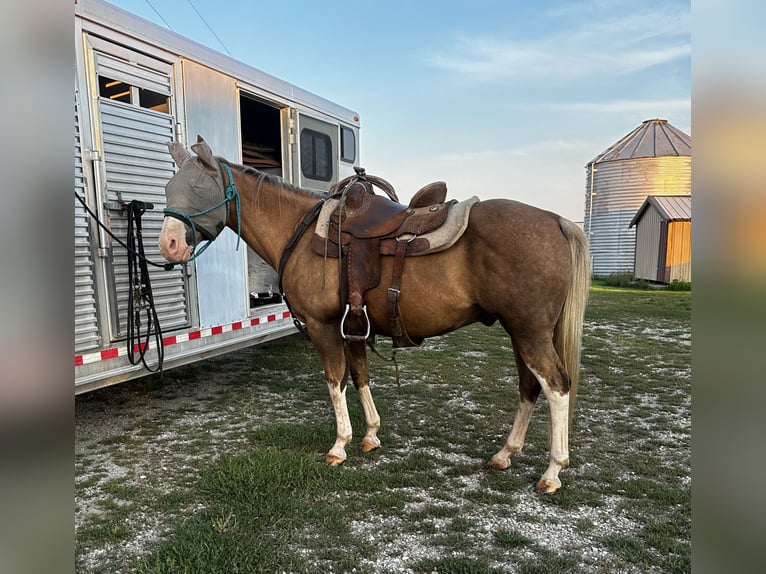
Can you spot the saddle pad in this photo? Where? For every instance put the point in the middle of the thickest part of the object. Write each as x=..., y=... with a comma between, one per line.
x=439, y=239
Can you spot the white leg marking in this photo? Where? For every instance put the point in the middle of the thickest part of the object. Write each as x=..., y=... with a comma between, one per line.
x=370, y=440
x=515, y=441
x=337, y=453
x=559, y=433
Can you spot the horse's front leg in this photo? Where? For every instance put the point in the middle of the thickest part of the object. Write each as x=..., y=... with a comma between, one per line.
x=360, y=374
x=328, y=343
x=343, y=433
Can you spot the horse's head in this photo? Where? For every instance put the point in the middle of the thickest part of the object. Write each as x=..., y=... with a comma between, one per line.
x=197, y=204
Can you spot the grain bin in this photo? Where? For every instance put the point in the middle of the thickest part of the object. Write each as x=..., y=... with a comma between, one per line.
x=653, y=159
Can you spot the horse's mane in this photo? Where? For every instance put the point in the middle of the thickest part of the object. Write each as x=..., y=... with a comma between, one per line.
x=273, y=180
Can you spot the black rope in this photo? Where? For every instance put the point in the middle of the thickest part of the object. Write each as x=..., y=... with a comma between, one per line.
x=140, y=297
x=166, y=266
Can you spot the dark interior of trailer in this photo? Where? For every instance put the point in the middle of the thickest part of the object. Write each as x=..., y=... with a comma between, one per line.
x=261, y=134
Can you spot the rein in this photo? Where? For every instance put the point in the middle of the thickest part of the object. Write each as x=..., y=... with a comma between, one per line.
x=307, y=220
x=230, y=194
x=140, y=296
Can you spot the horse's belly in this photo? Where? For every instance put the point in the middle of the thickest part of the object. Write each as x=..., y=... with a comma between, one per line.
x=435, y=297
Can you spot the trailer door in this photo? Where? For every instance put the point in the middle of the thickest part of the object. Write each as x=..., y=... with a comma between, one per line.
x=316, y=153
x=133, y=114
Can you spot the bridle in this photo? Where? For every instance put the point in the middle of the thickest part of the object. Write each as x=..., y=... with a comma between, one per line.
x=230, y=194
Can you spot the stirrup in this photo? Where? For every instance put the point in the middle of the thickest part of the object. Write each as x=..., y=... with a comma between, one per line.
x=349, y=337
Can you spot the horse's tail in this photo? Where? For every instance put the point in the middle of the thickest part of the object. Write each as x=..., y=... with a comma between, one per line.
x=568, y=334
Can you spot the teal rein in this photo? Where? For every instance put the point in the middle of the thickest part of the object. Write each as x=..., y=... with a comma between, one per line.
x=230, y=194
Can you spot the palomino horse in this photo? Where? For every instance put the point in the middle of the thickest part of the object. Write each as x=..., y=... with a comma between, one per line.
x=515, y=263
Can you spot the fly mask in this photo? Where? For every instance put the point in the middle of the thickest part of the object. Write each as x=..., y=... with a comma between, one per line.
x=197, y=195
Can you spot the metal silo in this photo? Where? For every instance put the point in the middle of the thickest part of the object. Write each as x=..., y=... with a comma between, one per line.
x=653, y=159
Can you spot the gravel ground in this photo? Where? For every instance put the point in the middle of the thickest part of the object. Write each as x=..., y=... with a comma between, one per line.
x=139, y=437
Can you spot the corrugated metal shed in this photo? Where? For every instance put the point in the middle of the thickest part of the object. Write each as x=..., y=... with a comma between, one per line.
x=663, y=239
x=670, y=207
x=653, y=159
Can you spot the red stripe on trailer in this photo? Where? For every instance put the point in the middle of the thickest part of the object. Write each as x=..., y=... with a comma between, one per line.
x=114, y=352
x=109, y=354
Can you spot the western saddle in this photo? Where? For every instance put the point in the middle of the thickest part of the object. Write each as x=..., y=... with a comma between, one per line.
x=360, y=227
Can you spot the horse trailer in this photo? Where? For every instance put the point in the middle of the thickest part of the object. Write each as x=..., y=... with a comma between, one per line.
x=138, y=87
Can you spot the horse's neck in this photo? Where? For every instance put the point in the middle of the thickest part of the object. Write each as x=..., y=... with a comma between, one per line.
x=270, y=214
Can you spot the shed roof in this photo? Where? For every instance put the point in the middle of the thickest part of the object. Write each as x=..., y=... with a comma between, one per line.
x=670, y=208
x=653, y=138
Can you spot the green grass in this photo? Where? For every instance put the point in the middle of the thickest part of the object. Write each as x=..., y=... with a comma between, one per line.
x=628, y=281
x=256, y=509
x=231, y=454
x=454, y=565
x=511, y=539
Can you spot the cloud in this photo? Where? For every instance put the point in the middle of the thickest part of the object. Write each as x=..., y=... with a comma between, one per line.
x=662, y=107
x=577, y=45
x=549, y=148
x=616, y=20
x=676, y=111
x=485, y=60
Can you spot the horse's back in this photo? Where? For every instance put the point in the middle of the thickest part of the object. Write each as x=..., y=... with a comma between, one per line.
x=504, y=213
x=513, y=227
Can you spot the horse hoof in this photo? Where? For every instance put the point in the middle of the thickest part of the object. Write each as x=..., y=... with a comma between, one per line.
x=333, y=459
x=499, y=463
x=545, y=486
x=369, y=444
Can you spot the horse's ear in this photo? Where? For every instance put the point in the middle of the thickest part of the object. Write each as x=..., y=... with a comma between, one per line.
x=204, y=152
x=178, y=153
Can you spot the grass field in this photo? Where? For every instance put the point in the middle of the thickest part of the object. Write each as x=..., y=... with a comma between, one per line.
x=218, y=468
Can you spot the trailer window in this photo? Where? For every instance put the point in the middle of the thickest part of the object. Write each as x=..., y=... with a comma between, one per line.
x=114, y=90
x=119, y=91
x=347, y=145
x=316, y=155
x=153, y=101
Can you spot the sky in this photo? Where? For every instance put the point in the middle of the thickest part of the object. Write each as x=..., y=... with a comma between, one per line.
x=499, y=98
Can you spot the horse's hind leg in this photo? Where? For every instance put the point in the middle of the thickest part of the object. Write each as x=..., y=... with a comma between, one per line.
x=542, y=360
x=529, y=390
x=360, y=374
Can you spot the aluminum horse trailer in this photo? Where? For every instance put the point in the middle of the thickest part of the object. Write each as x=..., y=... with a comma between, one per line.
x=139, y=86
